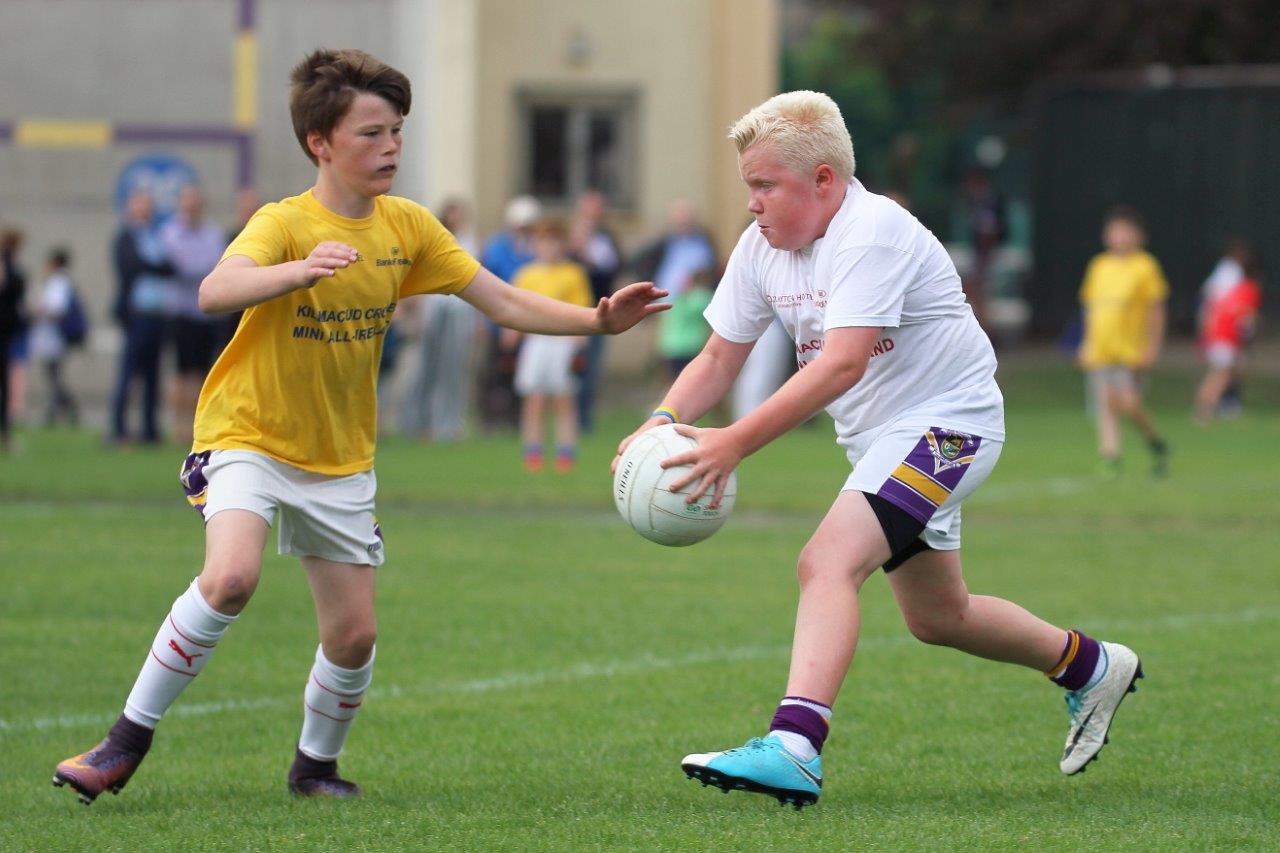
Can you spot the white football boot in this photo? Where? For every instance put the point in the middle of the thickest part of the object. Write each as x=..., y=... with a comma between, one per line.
x=1091, y=710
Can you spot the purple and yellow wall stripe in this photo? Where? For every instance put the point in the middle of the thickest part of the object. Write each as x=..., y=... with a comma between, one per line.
x=97, y=133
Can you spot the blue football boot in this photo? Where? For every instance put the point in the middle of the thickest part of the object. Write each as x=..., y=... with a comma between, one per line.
x=762, y=765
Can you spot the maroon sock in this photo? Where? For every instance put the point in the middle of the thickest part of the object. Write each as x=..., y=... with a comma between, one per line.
x=306, y=767
x=131, y=736
x=801, y=720
x=1079, y=658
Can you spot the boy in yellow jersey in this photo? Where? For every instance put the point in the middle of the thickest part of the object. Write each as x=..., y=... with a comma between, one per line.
x=1123, y=295
x=544, y=368
x=284, y=429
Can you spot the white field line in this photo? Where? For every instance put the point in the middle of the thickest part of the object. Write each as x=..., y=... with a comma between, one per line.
x=609, y=669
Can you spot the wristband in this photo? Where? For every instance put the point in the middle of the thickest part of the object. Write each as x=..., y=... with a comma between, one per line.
x=666, y=412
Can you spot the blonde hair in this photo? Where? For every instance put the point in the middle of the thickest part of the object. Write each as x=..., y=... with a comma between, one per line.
x=805, y=128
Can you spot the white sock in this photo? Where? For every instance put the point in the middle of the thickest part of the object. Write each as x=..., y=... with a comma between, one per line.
x=822, y=710
x=330, y=702
x=796, y=744
x=178, y=653
x=1099, y=669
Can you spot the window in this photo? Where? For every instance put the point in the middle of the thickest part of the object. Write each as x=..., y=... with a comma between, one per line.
x=574, y=142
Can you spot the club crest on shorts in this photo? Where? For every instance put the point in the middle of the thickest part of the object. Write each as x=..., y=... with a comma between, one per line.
x=949, y=448
x=928, y=475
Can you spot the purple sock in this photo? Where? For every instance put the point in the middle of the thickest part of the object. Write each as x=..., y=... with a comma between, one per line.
x=130, y=736
x=1079, y=659
x=306, y=767
x=801, y=720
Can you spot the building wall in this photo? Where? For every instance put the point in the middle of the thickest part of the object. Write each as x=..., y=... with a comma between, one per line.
x=162, y=63
x=694, y=64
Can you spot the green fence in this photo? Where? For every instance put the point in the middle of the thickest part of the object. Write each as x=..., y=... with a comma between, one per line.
x=1197, y=152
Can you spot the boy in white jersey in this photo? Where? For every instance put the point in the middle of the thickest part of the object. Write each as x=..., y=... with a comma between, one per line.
x=890, y=348
x=285, y=424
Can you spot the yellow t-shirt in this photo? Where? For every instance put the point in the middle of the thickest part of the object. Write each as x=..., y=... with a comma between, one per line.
x=563, y=280
x=298, y=382
x=1118, y=294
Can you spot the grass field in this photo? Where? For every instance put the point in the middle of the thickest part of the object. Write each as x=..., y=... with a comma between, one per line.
x=541, y=669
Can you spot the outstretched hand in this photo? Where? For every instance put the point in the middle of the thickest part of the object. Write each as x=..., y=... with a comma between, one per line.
x=629, y=306
x=712, y=461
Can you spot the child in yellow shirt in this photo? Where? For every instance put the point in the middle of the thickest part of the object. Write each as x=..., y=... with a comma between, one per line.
x=544, y=368
x=1123, y=294
x=285, y=425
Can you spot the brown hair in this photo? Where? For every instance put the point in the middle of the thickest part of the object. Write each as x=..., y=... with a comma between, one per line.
x=10, y=241
x=1125, y=213
x=326, y=82
x=551, y=226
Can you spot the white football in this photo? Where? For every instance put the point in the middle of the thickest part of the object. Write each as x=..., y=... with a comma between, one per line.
x=641, y=490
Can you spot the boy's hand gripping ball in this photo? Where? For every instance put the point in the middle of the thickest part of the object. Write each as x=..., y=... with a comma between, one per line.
x=641, y=491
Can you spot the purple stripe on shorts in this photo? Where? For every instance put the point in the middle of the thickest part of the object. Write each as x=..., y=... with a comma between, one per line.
x=943, y=455
x=192, y=475
x=912, y=502
x=194, y=482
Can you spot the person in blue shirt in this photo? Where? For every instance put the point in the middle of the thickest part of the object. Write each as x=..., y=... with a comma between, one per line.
x=504, y=255
x=142, y=272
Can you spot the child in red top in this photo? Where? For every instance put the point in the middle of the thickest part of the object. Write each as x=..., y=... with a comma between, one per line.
x=1229, y=321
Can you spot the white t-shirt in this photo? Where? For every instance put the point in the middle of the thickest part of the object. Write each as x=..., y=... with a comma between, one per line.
x=875, y=266
x=46, y=335
x=1226, y=275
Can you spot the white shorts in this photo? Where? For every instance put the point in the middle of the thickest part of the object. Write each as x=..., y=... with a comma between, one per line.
x=927, y=472
x=545, y=366
x=1221, y=355
x=320, y=515
x=1115, y=376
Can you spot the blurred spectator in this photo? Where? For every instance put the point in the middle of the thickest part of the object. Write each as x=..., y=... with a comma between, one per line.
x=544, y=370
x=1232, y=297
x=984, y=211
x=193, y=245
x=510, y=249
x=504, y=255
x=59, y=324
x=455, y=214
x=594, y=246
x=1123, y=295
x=683, y=330
x=684, y=250
x=13, y=324
x=142, y=272
x=16, y=351
x=435, y=404
x=1226, y=274
x=247, y=204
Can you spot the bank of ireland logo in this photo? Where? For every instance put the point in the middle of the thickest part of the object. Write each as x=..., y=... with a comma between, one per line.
x=395, y=250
